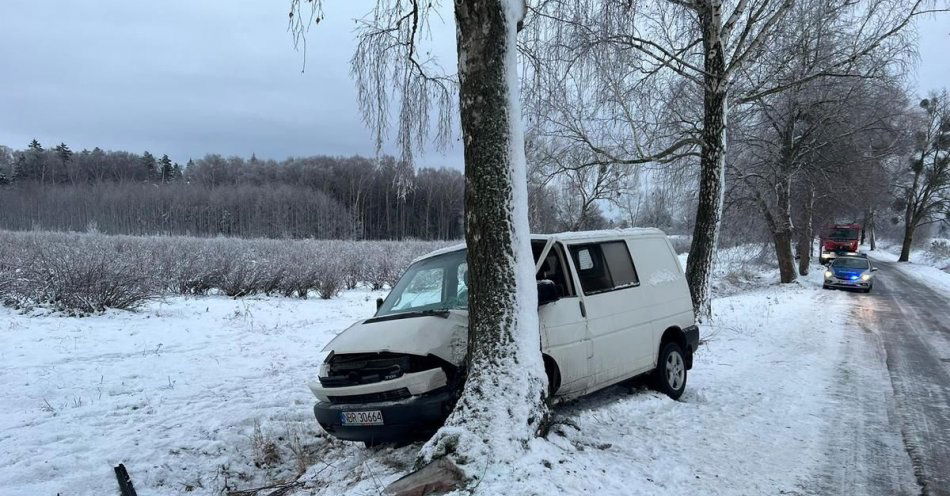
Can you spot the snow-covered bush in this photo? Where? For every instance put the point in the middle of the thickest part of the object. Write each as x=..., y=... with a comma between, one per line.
x=90, y=272
x=84, y=274
x=330, y=277
x=940, y=248
x=680, y=242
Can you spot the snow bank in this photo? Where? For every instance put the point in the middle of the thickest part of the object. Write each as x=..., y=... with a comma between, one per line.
x=930, y=264
x=935, y=253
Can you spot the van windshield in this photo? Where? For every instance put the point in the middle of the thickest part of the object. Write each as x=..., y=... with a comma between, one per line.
x=436, y=283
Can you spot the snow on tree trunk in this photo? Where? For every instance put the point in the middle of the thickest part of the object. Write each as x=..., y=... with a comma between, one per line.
x=783, y=235
x=806, y=234
x=502, y=403
x=713, y=159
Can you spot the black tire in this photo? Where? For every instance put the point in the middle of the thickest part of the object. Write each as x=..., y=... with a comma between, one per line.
x=824, y=286
x=869, y=288
x=669, y=377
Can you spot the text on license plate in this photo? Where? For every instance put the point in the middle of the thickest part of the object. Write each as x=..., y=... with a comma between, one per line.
x=371, y=417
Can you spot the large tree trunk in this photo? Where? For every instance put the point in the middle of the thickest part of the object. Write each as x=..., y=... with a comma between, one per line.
x=910, y=222
x=864, y=226
x=909, y=229
x=502, y=403
x=806, y=233
x=782, y=240
x=783, y=235
x=871, y=232
x=712, y=162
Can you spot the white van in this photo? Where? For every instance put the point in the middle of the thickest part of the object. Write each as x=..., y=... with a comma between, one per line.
x=612, y=305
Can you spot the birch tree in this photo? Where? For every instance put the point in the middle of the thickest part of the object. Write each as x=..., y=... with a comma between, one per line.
x=712, y=49
x=502, y=404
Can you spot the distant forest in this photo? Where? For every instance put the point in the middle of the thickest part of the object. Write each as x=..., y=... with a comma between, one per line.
x=321, y=197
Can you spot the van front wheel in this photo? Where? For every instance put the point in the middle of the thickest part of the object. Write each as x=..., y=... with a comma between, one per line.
x=670, y=375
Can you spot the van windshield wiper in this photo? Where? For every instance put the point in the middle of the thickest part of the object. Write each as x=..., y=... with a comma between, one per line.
x=436, y=312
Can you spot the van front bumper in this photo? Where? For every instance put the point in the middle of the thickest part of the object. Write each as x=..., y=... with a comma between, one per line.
x=413, y=418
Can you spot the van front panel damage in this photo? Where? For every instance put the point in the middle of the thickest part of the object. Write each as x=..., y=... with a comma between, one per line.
x=415, y=383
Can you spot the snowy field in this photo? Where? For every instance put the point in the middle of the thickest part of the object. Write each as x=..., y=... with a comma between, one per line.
x=201, y=393
x=208, y=394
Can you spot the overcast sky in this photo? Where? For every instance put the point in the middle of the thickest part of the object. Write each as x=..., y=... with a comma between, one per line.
x=187, y=77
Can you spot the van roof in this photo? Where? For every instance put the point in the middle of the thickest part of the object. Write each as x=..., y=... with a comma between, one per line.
x=569, y=237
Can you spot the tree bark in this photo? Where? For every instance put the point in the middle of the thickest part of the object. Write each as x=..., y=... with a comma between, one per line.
x=910, y=221
x=782, y=240
x=909, y=229
x=502, y=403
x=712, y=161
x=806, y=233
x=783, y=234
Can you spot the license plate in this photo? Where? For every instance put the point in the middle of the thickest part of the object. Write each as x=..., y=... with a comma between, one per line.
x=371, y=417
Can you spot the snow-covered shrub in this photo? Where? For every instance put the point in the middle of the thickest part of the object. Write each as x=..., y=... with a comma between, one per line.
x=86, y=274
x=89, y=272
x=330, y=272
x=8, y=269
x=354, y=263
x=271, y=267
x=940, y=248
x=680, y=242
x=301, y=270
x=377, y=267
x=236, y=268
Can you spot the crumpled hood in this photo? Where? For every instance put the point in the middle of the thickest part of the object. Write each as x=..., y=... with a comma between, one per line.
x=446, y=338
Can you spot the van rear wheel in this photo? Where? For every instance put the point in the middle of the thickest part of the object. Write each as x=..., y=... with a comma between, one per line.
x=669, y=377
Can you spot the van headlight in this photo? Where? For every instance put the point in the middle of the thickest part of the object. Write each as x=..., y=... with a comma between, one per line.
x=865, y=277
x=324, y=357
x=828, y=274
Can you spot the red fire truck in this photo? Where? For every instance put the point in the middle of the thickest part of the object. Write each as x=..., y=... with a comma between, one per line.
x=839, y=239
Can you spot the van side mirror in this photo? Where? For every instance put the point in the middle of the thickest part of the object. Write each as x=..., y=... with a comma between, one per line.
x=547, y=292
x=379, y=303
x=873, y=269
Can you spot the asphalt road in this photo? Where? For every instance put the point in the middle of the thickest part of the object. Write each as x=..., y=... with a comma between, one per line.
x=910, y=322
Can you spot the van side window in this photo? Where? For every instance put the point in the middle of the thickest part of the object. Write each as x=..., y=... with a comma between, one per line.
x=604, y=266
x=553, y=270
x=620, y=264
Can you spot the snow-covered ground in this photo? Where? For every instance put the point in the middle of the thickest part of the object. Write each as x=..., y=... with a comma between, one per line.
x=768, y=410
x=929, y=266
x=206, y=394
x=188, y=393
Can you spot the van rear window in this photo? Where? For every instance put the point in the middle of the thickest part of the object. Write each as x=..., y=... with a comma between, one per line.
x=604, y=266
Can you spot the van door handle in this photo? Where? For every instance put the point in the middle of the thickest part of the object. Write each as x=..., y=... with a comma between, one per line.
x=583, y=310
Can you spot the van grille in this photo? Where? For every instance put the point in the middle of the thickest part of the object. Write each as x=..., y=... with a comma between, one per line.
x=354, y=369
x=364, y=368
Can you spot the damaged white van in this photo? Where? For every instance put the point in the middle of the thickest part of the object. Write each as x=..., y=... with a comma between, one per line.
x=612, y=305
